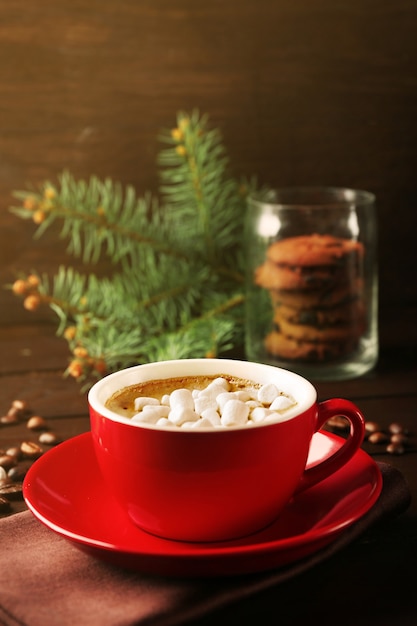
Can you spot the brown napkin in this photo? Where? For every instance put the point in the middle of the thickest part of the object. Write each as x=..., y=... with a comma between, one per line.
x=45, y=580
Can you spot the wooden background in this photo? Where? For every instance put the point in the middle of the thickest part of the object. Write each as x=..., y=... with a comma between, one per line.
x=314, y=92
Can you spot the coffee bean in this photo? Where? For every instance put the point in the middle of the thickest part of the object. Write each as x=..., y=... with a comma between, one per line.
x=30, y=449
x=9, y=419
x=378, y=437
x=399, y=438
x=15, y=452
x=4, y=505
x=7, y=461
x=14, y=412
x=17, y=473
x=16, y=460
x=372, y=427
x=20, y=405
x=36, y=422
x=11, y=491
x=48, y=438
x=338, y=422
x=395, y=448
x=396, y=428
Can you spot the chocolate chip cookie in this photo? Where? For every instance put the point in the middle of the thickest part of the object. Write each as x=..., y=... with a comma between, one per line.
x=316, y=289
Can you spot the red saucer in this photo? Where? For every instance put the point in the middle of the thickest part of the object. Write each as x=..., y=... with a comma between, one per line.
x=65, y=491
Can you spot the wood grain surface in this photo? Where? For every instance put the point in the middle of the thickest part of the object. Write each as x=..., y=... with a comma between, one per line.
x=305, y=93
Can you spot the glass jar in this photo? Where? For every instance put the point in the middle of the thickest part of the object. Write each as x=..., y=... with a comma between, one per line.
x=312, y=284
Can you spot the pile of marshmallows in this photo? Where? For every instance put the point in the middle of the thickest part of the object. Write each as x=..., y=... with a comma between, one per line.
x=213, y=407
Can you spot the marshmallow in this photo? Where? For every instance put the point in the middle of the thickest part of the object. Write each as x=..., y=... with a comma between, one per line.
x=160, y=409
x=235, y=413
x=217, y=386
x=281, y=403
x=261, y=413
x=213, y=407
x=222, y=382
x=243, y=395
x=146, y=417
x=268, y=393
x=224, y=397
x=203, y=403
x=181, y=414
x=181, y=398
x=165, y=423
x=252, y=404
x=143, y=401
x=211, y=415
x=201, y=423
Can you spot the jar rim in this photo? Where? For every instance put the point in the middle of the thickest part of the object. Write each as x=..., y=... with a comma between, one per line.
x=320, y=197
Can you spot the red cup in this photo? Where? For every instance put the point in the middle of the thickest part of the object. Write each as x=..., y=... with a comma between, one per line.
x=213, y=484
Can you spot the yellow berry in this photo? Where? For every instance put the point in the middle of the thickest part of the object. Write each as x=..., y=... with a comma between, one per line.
x=177, y=134
x=70, y=332
x=49, y=193
x=75, y=369
x=39, y=216
x=33, y=280
x=31, y=302
x=19, y=287
x=181, y=150
x=80, y=352
x=30, y=203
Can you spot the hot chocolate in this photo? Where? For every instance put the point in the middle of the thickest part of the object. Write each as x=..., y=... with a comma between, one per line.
x=200, y=402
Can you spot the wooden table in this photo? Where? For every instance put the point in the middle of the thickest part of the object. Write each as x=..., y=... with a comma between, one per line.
x=370, y=582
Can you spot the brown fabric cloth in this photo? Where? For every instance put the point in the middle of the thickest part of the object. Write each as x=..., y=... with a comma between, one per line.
x=45, y=580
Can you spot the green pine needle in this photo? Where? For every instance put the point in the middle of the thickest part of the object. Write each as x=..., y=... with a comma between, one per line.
x=177, y=286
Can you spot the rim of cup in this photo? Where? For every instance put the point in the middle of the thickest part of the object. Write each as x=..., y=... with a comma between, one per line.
x=289, y=382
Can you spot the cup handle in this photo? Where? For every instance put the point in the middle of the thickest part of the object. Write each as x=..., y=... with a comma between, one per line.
x=326, y=410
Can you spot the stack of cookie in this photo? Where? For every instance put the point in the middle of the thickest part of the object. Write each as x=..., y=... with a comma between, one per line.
x=317, y=294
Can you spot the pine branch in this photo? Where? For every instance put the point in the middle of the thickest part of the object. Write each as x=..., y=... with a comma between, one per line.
x=177, y=286
x=195, y=185
x=97, y=216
